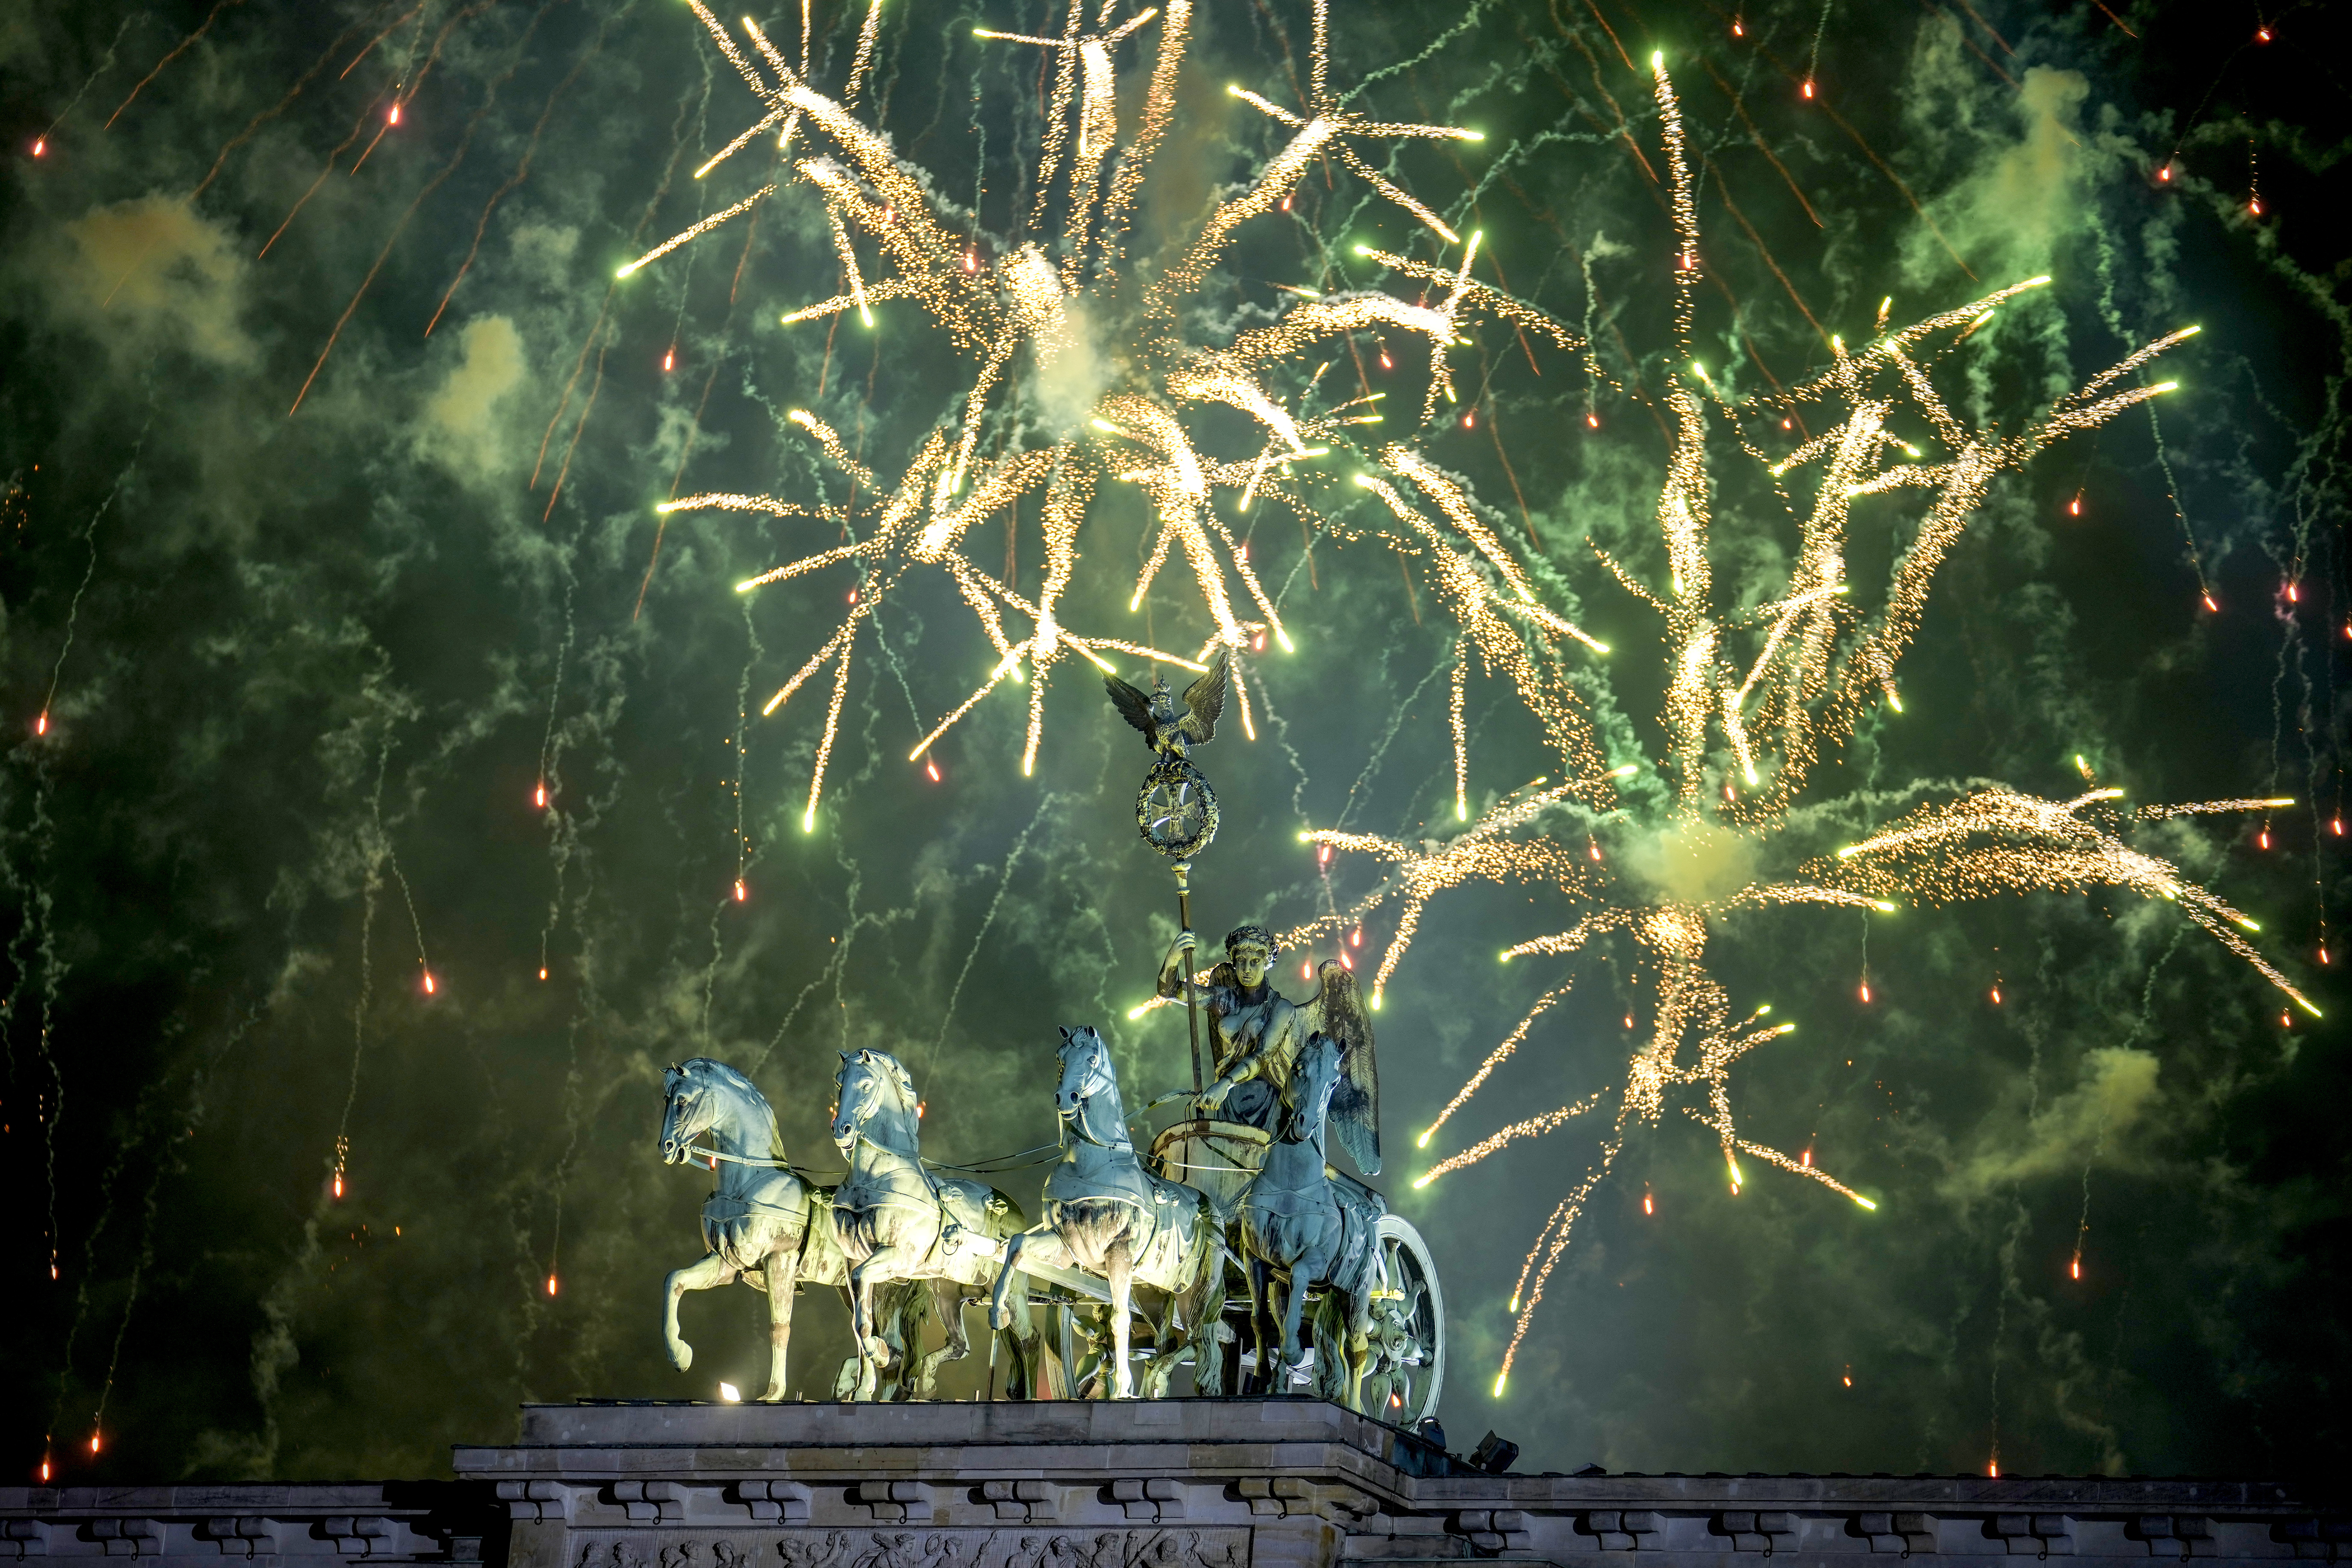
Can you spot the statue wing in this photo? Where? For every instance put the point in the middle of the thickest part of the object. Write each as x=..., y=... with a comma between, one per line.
x=1206, y=699
x=1338, y=1013
x=1133, y=706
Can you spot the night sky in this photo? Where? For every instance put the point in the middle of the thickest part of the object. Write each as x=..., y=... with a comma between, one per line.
x=283, y=688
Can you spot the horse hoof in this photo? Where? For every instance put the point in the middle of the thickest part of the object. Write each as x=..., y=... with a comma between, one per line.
x=681, y=1356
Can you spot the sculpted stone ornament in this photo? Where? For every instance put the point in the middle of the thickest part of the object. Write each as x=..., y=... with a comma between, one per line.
x=896, y=1220
x=1177, y=810
x=1108, y=1216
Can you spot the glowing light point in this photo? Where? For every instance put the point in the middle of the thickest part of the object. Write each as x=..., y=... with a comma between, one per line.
x=1882, y=907
x=551, y=1284
x=39, y=147
x=429, y=983
x=808, y=820
x=741, y=892
x=41, y=725
x=1420, y=1181
x=1423, y=1142
x=1501, y=1376
x=1376, y=1001
x=1657, y=60
x=731, y=1393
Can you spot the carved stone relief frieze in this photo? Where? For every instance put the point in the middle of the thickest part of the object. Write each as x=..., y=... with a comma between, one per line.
x=911, y=1548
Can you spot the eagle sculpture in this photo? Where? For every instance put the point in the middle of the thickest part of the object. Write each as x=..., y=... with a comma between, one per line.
x=1167, y=728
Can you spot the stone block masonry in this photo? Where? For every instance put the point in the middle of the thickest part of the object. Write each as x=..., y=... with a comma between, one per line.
x=1188, y=1483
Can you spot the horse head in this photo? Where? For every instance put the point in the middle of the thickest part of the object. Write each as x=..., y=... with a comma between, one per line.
x=1086, y=1072
x=1306, y=1101
x=870, y=1084
x=686, y=1108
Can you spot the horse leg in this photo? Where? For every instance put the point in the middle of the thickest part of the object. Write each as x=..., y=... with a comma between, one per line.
x=999, y=1315
x=712, y=1270
x=1120, y=1257
x=1261, y=1278
x=861, y=1329
x=947, y=1299
x=783, y=1264
x=1302, y=1274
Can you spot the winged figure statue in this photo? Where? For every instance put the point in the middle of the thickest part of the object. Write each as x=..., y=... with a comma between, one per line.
x=1167, y=728
x=1259, y=1034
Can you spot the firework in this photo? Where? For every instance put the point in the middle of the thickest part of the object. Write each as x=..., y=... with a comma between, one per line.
x=894, y=241
x=1752, y=701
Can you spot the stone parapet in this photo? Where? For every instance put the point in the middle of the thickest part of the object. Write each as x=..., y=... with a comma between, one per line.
x=1272, y=1483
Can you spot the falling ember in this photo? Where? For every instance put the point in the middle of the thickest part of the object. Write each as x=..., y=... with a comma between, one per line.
x=2263, y=838
x=2286, y=1020
x=1593, y=420
x=40, y=147
x=1593, y=847
x=970, y=262
x=669, y=359
x=1737, y=30
x=1323, y=857
x=1648, y=1206
x=429, y=983
x=93, y=1442
x=1992, y=1468
x=1865, y=991
x=1849, y=1379
x=2075, y=1269
x=2074, y=506
x=395, y=114
x=45, y=1469
x=1306, y=971
x=2212, y=605
x=2165, y=172
x=1470, y=420
x=1806, y=1159
x=41, y=725
x=1356, y=937
x=1386, y=363
x=2262, y=34
x=2336, y=826
x=1809, y=89
x=539, y=797
x=1285, y=204
x=338, y=1184
x=741, y=892
x=551, y=1284
x=1996, y=995
x=2254, y=207
x=542, y=971
x=931, y=768
x=2291, y=595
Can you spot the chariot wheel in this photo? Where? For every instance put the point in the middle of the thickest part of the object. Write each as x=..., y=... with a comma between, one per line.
x=1407, y=1372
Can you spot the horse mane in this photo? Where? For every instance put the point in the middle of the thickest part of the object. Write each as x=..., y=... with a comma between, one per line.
x=712, y=1071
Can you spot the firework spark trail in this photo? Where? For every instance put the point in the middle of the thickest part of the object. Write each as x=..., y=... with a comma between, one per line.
x=358, y=125
x=220, y=160
x=522, y=166
x=177, y=50
x=465, y=142
x=105, y=64
x=1533, y=1127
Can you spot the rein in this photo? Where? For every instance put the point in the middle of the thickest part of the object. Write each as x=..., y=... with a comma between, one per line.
x=988, y=1166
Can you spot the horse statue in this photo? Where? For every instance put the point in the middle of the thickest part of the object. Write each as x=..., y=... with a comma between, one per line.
x=762, y=1225
x=895, y=1220
x=1295, y=1218
x=1107, y=1214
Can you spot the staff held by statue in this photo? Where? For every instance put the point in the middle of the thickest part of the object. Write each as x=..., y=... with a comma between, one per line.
x=1177, y=811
